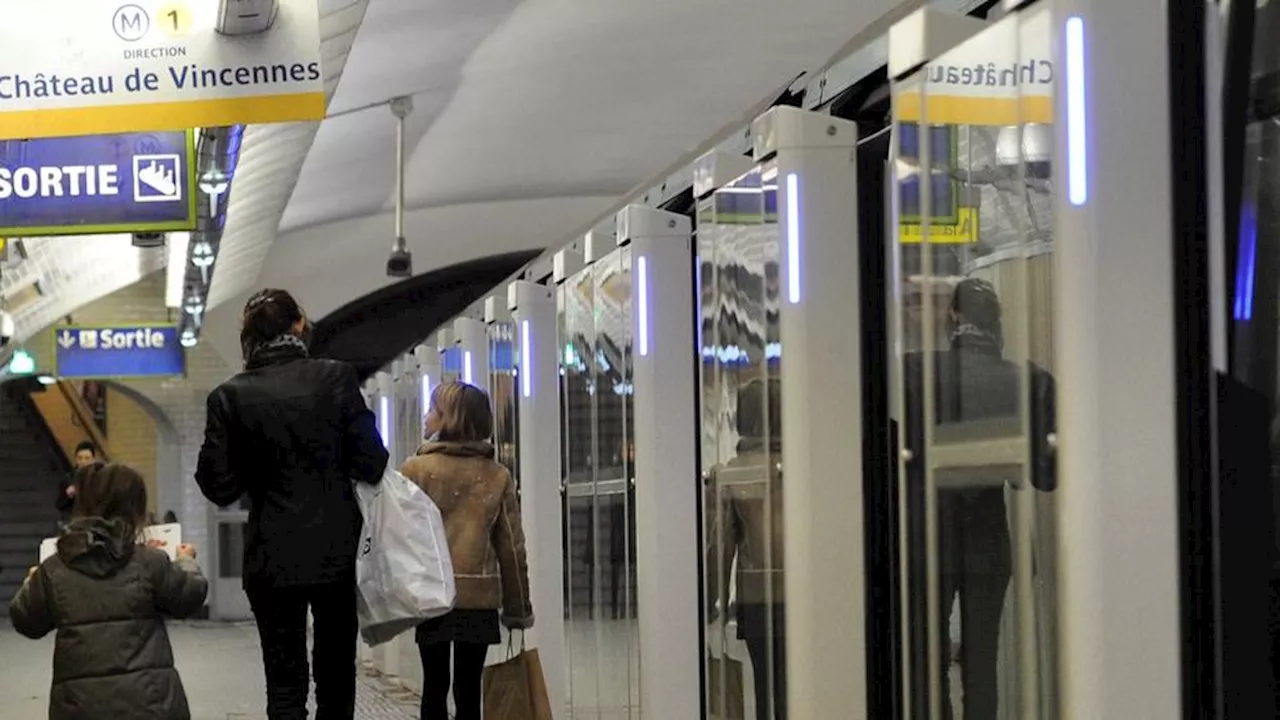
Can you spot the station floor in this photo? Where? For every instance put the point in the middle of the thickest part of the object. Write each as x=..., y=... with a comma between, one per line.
x=221, y=668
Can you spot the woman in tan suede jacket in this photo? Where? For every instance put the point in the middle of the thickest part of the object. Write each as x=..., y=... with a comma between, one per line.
x=477, y=499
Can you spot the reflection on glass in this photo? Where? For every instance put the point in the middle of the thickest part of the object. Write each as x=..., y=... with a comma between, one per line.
x=451, y=364
x=502, y=390
x=1255, y=286
x=596, y=374
x=973, y=306
x=738, y=245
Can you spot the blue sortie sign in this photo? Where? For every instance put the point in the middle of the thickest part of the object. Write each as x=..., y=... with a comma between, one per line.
x=97, y=184
x=115, y=352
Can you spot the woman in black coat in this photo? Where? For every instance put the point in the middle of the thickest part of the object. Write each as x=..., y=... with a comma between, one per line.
x=293, y=434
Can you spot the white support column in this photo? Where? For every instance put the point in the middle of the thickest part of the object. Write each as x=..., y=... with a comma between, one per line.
x=428, y=357
x=1118, y=530
x=445, y=344
x=666, y=436
x=821, y=410
x=533, y=308
x=384, y=394
x=383, y=388
x=473, y=339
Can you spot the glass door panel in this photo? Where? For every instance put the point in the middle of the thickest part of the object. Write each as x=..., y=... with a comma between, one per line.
x=616, y=625
x=738, y=248
x=576, y=300
x=973, y=384
x=502, y=389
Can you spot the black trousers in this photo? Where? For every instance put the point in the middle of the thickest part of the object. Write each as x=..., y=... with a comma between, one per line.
x=281, y=615
x=981, y=597
x=468, y=672
x=763, y=629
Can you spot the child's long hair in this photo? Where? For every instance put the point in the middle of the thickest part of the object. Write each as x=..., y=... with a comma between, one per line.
x=465, y=415
x=113, y=492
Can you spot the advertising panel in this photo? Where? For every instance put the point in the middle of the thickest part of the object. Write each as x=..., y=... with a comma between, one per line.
x=140, y=182
x=88, y=67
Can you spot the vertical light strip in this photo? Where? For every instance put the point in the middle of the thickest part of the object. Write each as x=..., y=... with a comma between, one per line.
x=466, y=367
x=526, y=360
x=793, y=238
x=384, y=412
x=642, y=277
x=426, y=392
x=1077, y=147
x=697, y=300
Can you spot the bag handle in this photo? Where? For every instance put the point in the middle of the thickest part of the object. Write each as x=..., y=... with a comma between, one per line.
x=511, y=641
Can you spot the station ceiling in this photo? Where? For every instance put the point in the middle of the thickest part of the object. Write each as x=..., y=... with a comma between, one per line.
x=531, y=118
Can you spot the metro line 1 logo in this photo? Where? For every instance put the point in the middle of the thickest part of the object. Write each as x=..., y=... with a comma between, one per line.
x=131, y=23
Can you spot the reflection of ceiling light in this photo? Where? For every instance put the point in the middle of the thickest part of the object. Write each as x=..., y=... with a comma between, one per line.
x=47, y=380
x=188, y=338
x=194, y=307
x=1036, y=144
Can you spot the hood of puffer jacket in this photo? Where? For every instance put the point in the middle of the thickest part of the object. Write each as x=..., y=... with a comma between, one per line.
x=456, y=449
x=96, y=547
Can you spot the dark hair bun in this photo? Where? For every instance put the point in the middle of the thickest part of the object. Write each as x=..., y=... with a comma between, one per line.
x=268, y=314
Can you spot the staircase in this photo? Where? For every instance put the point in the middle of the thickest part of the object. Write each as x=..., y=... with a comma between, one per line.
x=30, y=468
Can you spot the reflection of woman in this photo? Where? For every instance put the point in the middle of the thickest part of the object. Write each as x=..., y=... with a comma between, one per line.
x=745, y=523
x=973, y=382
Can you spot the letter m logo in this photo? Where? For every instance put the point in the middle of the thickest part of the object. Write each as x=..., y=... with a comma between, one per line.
x=131, y=23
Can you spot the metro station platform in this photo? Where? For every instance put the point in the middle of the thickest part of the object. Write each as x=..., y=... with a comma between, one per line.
x=221, y=668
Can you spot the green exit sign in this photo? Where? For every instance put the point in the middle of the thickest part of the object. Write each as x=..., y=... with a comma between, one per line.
x=22, y=363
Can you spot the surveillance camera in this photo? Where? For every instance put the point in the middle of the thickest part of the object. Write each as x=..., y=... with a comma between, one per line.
x=400, y=264
x=148, y=240
x=7, y=329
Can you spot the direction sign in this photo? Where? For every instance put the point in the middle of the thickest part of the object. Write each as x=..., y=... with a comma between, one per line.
x=130, y=351
x=136, y=182
x=82, y=67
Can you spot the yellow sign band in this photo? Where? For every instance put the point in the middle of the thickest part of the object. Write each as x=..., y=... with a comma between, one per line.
x=155, y=117
x=965, y=110
x=963, y=232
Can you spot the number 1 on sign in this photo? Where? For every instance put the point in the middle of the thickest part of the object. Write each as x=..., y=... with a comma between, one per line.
x=175, y=19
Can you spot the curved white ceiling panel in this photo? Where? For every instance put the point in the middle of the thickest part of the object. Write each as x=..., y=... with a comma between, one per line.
x=73, y=272
x=555, y=101
x=325, y=275
x=271, y=158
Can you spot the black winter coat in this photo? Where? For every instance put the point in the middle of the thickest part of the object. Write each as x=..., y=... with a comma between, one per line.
x=107, y=597
x=976, y=386
x=293, y=433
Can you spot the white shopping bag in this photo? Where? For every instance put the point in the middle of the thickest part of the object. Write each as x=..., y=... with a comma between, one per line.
x=404, y=574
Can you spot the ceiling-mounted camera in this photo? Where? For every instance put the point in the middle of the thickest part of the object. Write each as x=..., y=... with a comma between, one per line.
x=148, y=240
x=400, y=264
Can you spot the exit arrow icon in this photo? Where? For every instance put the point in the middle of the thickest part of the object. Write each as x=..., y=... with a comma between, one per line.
x=66, y=340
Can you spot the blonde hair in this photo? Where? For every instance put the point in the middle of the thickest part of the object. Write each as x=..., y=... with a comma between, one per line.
x=464, y=412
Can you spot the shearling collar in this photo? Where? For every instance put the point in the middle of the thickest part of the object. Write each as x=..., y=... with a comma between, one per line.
x=456, y=449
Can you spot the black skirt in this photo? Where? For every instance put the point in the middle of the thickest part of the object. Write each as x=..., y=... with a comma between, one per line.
x=477, y=627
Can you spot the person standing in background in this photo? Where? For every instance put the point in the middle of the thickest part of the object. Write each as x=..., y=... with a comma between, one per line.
x=86, y=455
